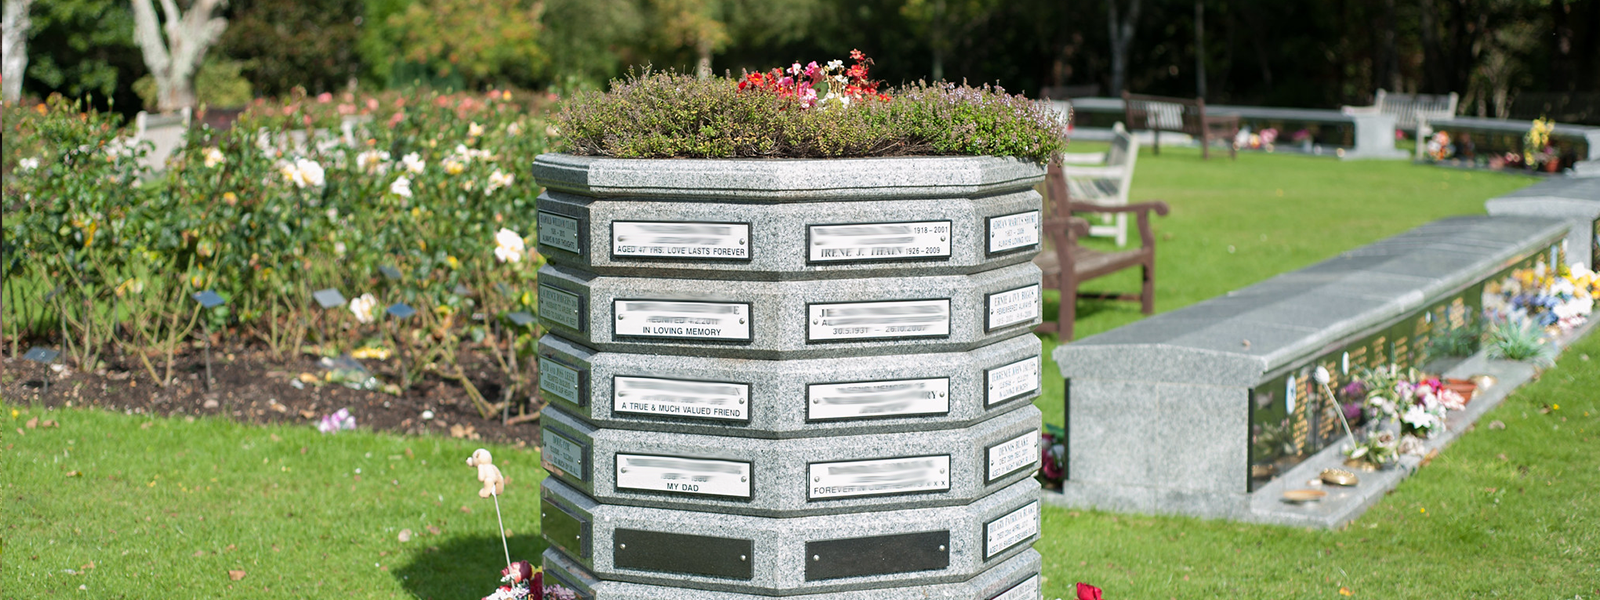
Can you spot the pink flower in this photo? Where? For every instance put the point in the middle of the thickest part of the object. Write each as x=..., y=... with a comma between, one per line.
x=1088, y=592
x=324, y=98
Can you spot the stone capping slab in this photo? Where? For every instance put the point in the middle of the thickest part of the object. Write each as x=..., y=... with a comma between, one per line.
x=779, y=235
x=779, y=483
x=1574, y=199
x=778, y=390
x=779, y=311
x=779, y=545
x=787, y=180
x=1021, y=571
x=1343, y=505
x=1211, y=350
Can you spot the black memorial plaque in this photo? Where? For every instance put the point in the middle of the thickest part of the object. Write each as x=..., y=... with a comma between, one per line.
x=565, y=530
x=878, y=555
x=727, y=558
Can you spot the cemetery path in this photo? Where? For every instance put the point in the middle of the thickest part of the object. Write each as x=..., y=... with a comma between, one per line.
x=251, y=389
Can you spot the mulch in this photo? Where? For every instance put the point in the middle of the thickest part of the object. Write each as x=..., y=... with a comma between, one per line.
x=250, y=388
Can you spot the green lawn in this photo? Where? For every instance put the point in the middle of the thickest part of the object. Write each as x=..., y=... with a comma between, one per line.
x=138, y=507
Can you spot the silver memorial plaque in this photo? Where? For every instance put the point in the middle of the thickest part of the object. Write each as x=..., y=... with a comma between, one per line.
x=1027, y=589
x=1011, y=232
x=878, y=320
x=874, y=399
x=878, y=241
x=879, y=477
x=1009, y=382
x=561, y=307
x=561, y=381
x=680, y=239
x=564, y=455
x=1014, y=528
x=1013, y=455
x=561, y=232
x=683, y=475
x=682, y=319
x=1011, y=307
x=718, y=400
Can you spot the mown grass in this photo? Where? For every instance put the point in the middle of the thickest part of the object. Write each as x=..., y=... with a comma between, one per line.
x=137, y=507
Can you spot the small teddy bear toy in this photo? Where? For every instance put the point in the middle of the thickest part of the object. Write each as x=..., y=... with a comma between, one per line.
x=493, y=482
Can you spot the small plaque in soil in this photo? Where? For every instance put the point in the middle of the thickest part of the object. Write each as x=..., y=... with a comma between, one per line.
x=328, y=298
x=208, y=299
x=401, y=310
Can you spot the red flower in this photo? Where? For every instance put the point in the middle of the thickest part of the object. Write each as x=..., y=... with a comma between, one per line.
x=857, y=55
x=1088, y=592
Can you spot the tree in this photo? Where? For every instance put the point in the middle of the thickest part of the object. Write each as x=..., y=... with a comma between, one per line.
x=174, y=58
x=477, y=41
x=16, y=47
x=696, y=24
x=289, y=43
x=945, y=23
x=1121, y=37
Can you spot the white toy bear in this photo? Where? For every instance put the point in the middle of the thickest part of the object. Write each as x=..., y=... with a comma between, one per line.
x=493, y=482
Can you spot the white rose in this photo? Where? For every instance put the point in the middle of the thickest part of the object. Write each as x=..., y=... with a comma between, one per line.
x=310, y=173
x=28, y=164
x=413, y=163
x=364, y=307
x=401, y=187
x=508, y=246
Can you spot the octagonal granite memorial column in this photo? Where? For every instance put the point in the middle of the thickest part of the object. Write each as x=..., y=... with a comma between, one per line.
x=806, y=378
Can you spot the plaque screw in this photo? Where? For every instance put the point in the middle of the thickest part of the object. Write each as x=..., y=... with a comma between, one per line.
x=816, y=479
x=941, y=547
x=624, y=469
x=741, y=321
x=816, y=401
x=815, y=557
x=743, y=557
x=741, y=241
x=815, y=322
x=744, y=478
x=941, y=238
x=622, y=546
x=619, y=316
x=741, y=401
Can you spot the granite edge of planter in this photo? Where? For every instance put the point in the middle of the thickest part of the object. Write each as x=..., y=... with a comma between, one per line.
x=785, y=180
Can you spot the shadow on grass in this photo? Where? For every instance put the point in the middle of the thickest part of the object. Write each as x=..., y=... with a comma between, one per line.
x=467, y=567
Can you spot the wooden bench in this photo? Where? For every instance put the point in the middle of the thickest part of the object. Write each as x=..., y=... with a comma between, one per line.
x=1409, y=110
x=1179, y=115
x=1067, y=265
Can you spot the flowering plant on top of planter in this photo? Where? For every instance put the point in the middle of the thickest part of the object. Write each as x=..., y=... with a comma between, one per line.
x=807, y=110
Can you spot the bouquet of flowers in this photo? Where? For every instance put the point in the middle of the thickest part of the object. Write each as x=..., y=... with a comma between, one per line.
x=519, y=580
x=834, y=82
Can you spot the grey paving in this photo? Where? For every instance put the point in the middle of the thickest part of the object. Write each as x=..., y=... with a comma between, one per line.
x=1570, y=198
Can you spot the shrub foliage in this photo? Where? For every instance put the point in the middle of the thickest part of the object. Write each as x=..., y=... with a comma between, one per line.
x=669, y=115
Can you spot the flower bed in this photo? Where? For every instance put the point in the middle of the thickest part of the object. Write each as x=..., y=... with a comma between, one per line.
x=422, y=206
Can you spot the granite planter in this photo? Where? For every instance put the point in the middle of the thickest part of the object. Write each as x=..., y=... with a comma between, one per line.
x=806, y=378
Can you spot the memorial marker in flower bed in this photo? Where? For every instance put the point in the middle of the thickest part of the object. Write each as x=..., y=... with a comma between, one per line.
x=1214, y=409
x=802, y=378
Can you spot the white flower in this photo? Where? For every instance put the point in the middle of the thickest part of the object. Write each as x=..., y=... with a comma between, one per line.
x=513, y=129
x=1419, y=418
x=339, y=248
x=834, y=65
x=365, y=308
x=310, y=172
x=214, y=157
x=413, y=163
x=498, y=180
x=401, y=187
x=508, y=246
x=373, y=161
x=28, y=164
x=1321, y=376
x=474, y=129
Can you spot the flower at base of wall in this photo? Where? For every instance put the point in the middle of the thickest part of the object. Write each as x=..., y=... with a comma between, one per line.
x=401, y=187
x=509, y=246
x=365, y=308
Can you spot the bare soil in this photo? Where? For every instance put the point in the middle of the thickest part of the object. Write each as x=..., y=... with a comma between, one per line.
x=249, y=388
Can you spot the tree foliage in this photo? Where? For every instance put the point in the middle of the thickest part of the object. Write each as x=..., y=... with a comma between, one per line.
x=483, y=42
x=289, y=43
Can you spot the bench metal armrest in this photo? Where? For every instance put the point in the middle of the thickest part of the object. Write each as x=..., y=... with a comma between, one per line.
x=1101, y=172
x=1158, y=206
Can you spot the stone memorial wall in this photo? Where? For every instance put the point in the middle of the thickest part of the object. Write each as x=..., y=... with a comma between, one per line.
x=1199, y=410
x=790, y=377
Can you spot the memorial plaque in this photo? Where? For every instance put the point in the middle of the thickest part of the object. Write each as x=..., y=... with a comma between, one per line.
x=400, y=310
x=640, y=550
x=682, y=319
x=1027, y=589
x=561, y=232
x=40, y=355
x=1014, y=528
x=885, y=477
x=680, y=475
x=389, y=272
x=561, y=306
x=878, y=241
x=208, y=299
x=562, y=381
x=1011, y=307
x=1016, y=380
x=680, y=239
x=565, y=530
x=563, y=455
x=1012, y=455
x=328, y=298
x=1013, y=232
x=716, y=400
x=520, y=318
x=880, y=555
x=878, y=399
x=895, y=319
